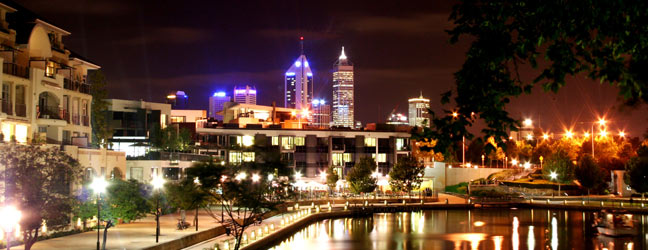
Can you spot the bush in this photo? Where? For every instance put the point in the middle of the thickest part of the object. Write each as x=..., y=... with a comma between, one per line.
x=461, y=188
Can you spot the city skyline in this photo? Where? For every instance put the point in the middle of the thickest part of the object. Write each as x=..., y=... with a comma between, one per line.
x=402, y=45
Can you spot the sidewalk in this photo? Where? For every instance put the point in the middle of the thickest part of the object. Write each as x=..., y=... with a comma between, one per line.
x=135, y=235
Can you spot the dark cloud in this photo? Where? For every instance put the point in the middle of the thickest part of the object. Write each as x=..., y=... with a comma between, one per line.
x=419, y=24
x=167, y=35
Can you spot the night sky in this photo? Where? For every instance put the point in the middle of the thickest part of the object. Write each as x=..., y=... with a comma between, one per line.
x=150, y=48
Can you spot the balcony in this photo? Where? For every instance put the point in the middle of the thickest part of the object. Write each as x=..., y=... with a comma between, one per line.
x=15, y=70
x=75, y=119
x=21, y=110
x=49, y=112
x=6, y=107
x=76, y=86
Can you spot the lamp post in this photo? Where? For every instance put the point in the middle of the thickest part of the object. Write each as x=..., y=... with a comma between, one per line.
x=483, y=160
x=99, y=185
x=541, y=158
x=9, y=217
x=554, y=176
x=157, y=182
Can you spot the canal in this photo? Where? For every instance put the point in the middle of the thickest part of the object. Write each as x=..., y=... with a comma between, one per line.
x=503, y=228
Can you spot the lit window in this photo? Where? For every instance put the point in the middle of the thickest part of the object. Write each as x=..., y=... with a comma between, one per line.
x=6, y=131
x=370, y=142
x=287, y=142
x=381, y=157
x=401, y=144
x=347, y=157
x=337, y=159
x=247, y=140
x=275, y=141
x=21, y=133
x=235, y=157
x=248, y=156
x=300, y=141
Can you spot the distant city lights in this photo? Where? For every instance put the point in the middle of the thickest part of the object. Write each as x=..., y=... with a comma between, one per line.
x=528, y=123
x=219, y=94
x=298, y=64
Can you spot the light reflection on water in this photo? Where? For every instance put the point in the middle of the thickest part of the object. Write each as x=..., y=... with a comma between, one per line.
x=462, y=229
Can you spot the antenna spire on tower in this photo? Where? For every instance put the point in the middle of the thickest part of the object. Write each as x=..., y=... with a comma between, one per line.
x=301, y=43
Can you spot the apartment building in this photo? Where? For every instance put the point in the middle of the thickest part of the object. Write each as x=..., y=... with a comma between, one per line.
x=44, y=90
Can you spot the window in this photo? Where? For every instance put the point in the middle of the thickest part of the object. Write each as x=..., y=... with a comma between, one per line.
x=51, y=69
x=21, y=133
x=347, y=157
x=235, y=157
x=370, y=142
x=287, y=142
x=248, y=156
x=275, y=141
x=300, y=141
x=337, y=159
x=42, y=129
x=247, y=140
x=177, y=119
x=381, y=158
x=401, y=144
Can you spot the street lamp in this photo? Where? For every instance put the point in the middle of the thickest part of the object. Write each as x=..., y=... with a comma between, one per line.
x=9, y=217
x=528, y=122
x=621, y=134
x=527, y=165
x=256, y=178
x=157, y=182
x=98, y=185
x=554, y=176
x=514, y=162
x=483, y=160
x=545, y=136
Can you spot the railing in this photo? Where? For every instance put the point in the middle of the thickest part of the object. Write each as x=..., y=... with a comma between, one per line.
x=21, y=110
x=76, y=86
x=49, y=112
x=75, y=119
x=66, y=116
x=6, y=107
x=86, y=121
x=84, y=88
x=16, y=70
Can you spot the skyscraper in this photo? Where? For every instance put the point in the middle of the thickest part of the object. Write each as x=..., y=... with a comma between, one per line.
x=216, y=102
x=299, y=82
x=245, y=95
x=321, y=113
x=418, y=111
x=178, y=100
x=343, y=92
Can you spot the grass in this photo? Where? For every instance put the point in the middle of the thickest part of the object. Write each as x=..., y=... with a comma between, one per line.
x=461, y=188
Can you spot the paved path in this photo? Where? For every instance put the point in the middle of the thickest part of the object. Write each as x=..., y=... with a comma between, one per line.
x=135, y=235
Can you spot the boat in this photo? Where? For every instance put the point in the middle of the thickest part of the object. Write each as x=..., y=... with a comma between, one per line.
x=615, y=224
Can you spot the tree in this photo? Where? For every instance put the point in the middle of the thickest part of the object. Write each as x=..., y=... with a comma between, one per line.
x=589, y=174
x=603, y=40
x=186, y=195
x=331, y=177
x=171, y=139
x=37, y=181
x=246, y=193
x=636, y=174
x=560, y=164
x=127, y=200
x=101, y=129
x=406, y=175
x=359, y=177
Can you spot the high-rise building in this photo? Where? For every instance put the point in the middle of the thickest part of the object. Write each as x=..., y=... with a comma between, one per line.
x=397, y=119
x=178, y=100
x=299, y=83
x=245, y=95
x=216, y=102
x=343, y=92
x=418, y=111
x=321, y=113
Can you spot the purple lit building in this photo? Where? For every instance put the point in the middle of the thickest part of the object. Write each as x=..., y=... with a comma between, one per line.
x=299, y=83
x=216, y=103
x=245, y=95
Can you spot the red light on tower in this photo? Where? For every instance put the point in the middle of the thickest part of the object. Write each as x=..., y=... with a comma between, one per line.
x=301, y=38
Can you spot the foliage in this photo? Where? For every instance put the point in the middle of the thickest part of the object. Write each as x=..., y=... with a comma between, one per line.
x=423, y=148
x=127, y=199
x=186, y=195
x=331, y=177
x=556, y=39
x=101, y=130
x=171, y=139
x=461, y=188
x=636, y=174
x=37, y=181
x=406, y=175
x=559, y=163
x=243, y=200
x=589, y=174
x=359, y=177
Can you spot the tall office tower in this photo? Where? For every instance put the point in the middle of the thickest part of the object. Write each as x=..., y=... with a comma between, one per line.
x=321, y=113
x=418, y=111
x=343, y=92
x=245, y=95
x=178, y=100
x=216, y=102
x=299, y=82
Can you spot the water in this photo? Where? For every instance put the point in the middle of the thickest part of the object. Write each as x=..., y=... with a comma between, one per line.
x=463, y=229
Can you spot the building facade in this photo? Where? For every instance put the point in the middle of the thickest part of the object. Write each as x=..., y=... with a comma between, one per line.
x=245, y=95
x=216, y=102
x=343, y=87
x=135, y=123
x=397, y=119
x=321, y=116
x=178, y=100
x=418, y=111
x=299, y=83
x=309, y=151
x=45, y=94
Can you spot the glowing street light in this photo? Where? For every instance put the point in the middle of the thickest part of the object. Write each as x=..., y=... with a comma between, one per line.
x=158, y=183
x=304, y=112
x=622, y=134
x=586, y=134
x=323, y=175
x=455, y=114
x=9, y=218
x=256, y=178
x=602, y=121
x=603, y=133
x=553, y=175
x=514, y=162
x=528, y=122
x=241, y=176
x=298, y=175
x=270, y=177
x=529, y=137
x=569, y=134
x=545, y=136
x=98, y=185
x=376, y=174
x=527, y=165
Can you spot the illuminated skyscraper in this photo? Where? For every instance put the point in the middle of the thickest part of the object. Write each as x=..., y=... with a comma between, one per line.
x=246, y=95
x=299, y=83
x=321, y=113
x=178, y=100
x=216, y=102
x=418, y=111
x=343, y=92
